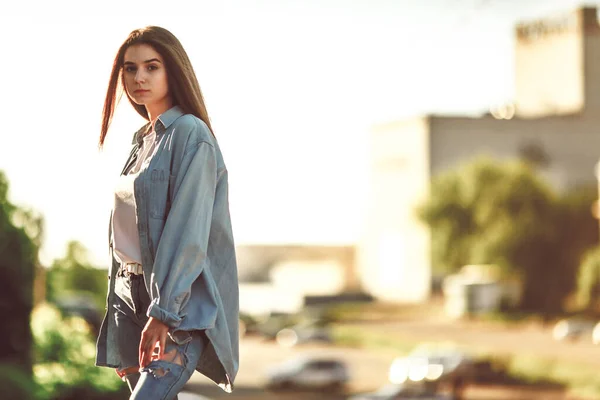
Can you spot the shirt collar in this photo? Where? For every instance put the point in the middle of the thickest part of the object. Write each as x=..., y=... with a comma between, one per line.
x=163, y=121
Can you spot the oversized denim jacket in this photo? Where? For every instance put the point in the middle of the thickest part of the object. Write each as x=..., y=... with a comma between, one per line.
x=187, y=247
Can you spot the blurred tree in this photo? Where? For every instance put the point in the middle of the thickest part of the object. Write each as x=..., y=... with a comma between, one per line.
x=502, y=213
x=482, y=210
x=20, y=238
x=74, y=274
x=64, y=360
x=577, y=235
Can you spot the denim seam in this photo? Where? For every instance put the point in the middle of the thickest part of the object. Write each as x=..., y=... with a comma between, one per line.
x=185, y=357
x=183, y=369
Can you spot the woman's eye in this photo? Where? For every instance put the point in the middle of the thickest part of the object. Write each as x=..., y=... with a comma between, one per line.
x=152, y=67
x=129, y=69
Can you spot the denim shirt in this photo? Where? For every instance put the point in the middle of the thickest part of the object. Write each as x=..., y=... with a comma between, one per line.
x=187, y=247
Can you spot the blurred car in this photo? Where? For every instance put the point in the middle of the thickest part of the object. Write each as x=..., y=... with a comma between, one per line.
x=572, y=328
x=248, y=324
x=306, y=325
x=313, y=373
x=596, y=334
x=302, y=333
x=269, y=325
x=402, y=392
x=440, y=367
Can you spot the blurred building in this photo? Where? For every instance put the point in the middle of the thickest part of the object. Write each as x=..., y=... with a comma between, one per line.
x=265, y=263
x=554, y=121
x=280, y=277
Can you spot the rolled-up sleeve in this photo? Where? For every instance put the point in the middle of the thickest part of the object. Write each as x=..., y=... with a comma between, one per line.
x=181, y=254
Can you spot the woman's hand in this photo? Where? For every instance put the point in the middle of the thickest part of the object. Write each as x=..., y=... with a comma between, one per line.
x=154, y=335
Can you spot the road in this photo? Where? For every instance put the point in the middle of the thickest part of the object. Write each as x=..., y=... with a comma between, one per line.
x=368, y=369
x=257, y=355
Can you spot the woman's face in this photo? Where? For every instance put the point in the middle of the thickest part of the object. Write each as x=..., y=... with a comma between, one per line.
x=145, y=78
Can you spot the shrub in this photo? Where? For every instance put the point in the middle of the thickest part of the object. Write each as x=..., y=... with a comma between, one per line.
x=504, y=214
x=64, y=356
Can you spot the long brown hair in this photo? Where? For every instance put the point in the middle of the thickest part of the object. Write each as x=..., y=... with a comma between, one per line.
x=182, y=81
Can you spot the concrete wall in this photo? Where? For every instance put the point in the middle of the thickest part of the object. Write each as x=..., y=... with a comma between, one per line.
x=571, y=144
x=393, y=253
x=256, y=263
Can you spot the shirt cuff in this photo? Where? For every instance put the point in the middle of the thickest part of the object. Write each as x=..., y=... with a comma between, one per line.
x=169, y=318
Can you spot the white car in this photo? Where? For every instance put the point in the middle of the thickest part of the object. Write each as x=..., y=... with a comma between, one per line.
x=596, y=334
x=436, y=366
x=308, y=373
x=572, y=329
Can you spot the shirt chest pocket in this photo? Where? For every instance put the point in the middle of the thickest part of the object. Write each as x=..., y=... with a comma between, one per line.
x=158, y=194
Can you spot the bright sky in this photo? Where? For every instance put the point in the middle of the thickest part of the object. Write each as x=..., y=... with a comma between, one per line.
x=291, y=86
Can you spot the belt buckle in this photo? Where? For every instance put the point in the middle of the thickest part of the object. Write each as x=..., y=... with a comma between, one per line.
x=133, y=269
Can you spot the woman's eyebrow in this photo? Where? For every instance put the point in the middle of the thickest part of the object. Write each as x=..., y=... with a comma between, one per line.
x=145, y=62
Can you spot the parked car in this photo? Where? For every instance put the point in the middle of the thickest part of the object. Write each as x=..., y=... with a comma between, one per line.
x=306, y=324
x=405, y=391
x=312, y=373
x=303, y=333
x=441, y=367
x=270, y=325
x=596, y=334
x=248, y=324
x=572, y=328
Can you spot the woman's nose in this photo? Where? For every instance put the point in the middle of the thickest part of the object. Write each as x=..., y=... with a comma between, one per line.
x=140, y=76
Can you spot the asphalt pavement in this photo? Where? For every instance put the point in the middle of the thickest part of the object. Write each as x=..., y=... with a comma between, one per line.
x=368, y=369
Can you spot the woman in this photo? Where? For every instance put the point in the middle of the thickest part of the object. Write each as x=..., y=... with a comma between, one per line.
x=172, y=304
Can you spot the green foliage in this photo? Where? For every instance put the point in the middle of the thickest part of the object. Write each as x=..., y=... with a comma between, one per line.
x=484, y=213
x=577, y=232
x=74, y=274
x=64, y=359
x=20, y=238
x=64, y=348
x=504, y=214
x=580, y=378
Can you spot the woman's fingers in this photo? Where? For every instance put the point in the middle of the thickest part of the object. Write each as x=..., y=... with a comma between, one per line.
x=154, y=333
x=141, y=352
x=147, y=345
x=162, y=342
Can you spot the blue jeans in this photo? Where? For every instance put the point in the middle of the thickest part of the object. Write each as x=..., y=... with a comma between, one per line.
x=161, y=379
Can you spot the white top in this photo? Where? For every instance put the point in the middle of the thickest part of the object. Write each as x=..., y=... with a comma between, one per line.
x=126, y=239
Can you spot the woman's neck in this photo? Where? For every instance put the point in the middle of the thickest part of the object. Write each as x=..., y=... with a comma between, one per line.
x=155, y=110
